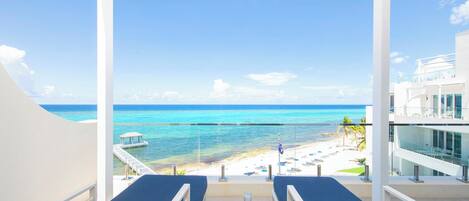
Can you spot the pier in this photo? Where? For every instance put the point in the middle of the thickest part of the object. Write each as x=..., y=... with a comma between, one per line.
x=132, y=162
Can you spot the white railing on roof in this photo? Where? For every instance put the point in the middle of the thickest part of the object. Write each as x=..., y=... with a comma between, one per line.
x=439, y=67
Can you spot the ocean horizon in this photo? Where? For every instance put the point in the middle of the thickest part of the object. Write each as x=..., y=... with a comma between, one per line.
x=181, y=144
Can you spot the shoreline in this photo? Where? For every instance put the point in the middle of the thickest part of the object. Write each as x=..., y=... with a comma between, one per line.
x=298, y=160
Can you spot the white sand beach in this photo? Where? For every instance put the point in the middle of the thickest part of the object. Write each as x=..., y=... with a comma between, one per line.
x=300, y=160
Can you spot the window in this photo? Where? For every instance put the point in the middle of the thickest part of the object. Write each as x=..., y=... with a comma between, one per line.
x=391, y=101
x=449, y=141
x=457, y=145
x=451, y=106
x=441, y=139
x=391, y=133
x=458, y=106
x=438, y=173
x=449, y=103
x=435, y=138
x=442, y=104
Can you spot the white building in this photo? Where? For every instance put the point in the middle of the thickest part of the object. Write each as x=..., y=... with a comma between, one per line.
x=437, y=93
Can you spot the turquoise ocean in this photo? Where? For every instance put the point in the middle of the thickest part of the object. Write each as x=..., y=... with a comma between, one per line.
x=181, y=134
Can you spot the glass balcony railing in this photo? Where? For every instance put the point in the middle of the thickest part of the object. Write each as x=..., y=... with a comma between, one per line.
x=249, y=149
x=430, y=112
x=435, y=152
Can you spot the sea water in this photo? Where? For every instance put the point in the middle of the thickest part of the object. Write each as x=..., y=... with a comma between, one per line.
x=185, y=143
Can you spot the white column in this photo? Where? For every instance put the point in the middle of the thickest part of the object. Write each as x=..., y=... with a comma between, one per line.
x=440, y=106
x=380, y=160
x=105, y=98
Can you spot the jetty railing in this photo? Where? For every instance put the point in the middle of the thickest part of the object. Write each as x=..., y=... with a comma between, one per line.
x=135, y=164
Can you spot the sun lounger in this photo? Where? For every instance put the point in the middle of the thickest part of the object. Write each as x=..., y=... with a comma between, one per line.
x=291, y=188
x=165, y=188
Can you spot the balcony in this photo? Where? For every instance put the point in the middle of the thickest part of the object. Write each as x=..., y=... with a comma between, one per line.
x=429, y=114
x=436, y=153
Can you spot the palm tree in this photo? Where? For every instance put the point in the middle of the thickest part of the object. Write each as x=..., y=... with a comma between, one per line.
x=345, y=127
x=360, y=129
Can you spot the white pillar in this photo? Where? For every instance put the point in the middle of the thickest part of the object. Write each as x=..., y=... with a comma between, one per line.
x=440, y=106
x=105, y=98
x=380, y=160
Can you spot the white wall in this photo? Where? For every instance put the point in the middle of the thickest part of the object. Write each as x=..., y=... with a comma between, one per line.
x=462, y=64
x=43, y=157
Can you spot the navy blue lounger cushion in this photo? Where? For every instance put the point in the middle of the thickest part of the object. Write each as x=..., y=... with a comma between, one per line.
x=163, y=188
x=313, y=188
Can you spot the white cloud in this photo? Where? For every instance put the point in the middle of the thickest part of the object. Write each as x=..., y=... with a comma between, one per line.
x=10, y=55
x=48, y=90
x=398, y=58
x=339, y=92
x=220, y=89
x=325, y=88
x=223, y=91
x=460, y=14
x=13, y=60
x=394, y=54
x=255, y=93
x=272, y=79
x=171, y=95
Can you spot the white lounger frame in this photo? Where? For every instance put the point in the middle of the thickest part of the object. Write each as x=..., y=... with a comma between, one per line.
x=292, y=194
x=389, y=192
x=184, y=193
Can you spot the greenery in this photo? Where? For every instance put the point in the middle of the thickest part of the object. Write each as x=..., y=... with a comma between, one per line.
x=358, y=131
x=345, y=128
x=361, y=161
x=359, y=171
x=181, y=172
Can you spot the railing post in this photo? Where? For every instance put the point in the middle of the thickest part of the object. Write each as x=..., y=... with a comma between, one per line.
x=174, y=170
x=464, y=175
x=269, y=177
x=222, y=176
x=319, y=170
x=416, y=177
x=366, y=177
x=126, y=169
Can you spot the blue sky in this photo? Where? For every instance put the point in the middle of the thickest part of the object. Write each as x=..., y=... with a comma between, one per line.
x=219, y=52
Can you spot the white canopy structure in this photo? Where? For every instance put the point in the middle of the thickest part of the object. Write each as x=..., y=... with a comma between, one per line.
x=132, y=139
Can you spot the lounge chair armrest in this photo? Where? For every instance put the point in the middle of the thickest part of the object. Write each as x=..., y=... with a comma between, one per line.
x=274, y=196
x=292, y=194
x=183, y=194
x=391, y=192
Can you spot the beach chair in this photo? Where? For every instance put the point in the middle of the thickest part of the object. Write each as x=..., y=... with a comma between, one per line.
x=165, y=188
x=292, y=188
